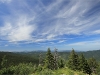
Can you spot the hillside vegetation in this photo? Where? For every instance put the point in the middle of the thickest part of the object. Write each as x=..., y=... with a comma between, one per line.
x=50, y=63
x=62, y=71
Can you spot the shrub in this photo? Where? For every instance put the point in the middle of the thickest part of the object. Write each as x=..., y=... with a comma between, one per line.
x=46, y=72
x=21, y=69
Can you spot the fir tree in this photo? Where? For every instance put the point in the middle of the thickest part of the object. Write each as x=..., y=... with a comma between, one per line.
x=84, y=65
x=4, y=62
x=81, y=62
x=86, y=68
x=49, y=61
x=73, y=61
x=61, y=63
x=93, y=64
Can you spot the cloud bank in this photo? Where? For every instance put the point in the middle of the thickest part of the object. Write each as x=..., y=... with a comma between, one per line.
x=42, y=21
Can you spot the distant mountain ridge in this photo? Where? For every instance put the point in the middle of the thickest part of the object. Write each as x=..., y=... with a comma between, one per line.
x=35, y=55
x=65, y=53
x=94, y=53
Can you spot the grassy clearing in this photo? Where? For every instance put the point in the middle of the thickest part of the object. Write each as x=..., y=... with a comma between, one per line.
x=63, y=71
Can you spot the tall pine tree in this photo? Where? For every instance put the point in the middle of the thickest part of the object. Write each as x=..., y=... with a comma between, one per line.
x=81, y=62
x=61, y=62
x=86, y=68
x=73, y=61
x=84, y=65
x=93, y=64
x=49, y=61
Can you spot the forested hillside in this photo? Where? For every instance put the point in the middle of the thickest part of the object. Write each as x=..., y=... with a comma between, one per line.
x=52, y=63
x=16, y=58
x=33, y=56
x=87, y=54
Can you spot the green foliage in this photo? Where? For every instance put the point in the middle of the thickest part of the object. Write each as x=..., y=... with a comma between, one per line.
x=4, y=62
x=16, y=58
x=46, y=72
x=49, y=61
x=78, y=63
x=56, y=60
x=39, y=68
x=86, y=68
x=61, y=63
x=81, y=62
x=21, y=69
x=19, y=64
x=98, y=69
x=94, y=53
x=84, y=65
x=61, y=71
x=93, y=64
x=73, y=61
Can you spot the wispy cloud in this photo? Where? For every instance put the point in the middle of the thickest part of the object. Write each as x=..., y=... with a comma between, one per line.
x=5, y=1
x=95, y=32
x=20, y=30
x=85, y=45
x=6, y=45
x=41, y=21
x=61, y=41
x=72, y=19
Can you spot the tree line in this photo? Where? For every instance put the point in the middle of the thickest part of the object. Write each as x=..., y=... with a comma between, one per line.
x=52, y=61
x=75, y=62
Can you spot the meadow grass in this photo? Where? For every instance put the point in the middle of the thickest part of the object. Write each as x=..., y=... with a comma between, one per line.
x=63, y=71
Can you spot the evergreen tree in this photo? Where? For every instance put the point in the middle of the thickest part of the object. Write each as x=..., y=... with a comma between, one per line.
x=61, y=63
x=93, y=64
x=56, y=59
x=86, y=68
x=81, y=62
x=49, y=61
x=4, y=62
x=73, y=61
x=84, y=65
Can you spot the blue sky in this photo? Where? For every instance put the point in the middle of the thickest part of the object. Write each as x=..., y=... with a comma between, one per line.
x=27, y=25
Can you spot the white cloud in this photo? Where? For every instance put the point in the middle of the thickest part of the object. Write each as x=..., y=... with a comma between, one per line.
x=96, y=32
x=61, y=41
x=72, y=20
x=5, y=1
x=6, y=45
x=21, y=30
x=51, y=21
x=51, y=36
x=86, y=45
x=52, y=43
x=69, y=20
x=78, y=43
x=22, y=33
x=94, y=42
x=39, y=40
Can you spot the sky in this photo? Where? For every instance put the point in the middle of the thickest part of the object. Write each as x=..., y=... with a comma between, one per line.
x=27, y=25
